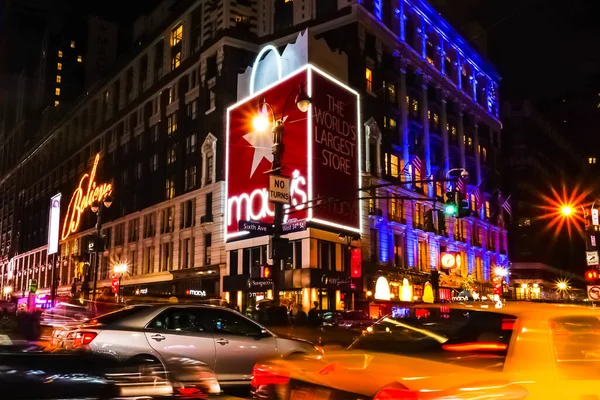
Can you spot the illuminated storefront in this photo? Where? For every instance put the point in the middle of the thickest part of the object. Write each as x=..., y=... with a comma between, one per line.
x=322, y=221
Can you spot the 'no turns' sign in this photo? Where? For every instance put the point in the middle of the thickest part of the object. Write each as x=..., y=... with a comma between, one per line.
x=279, y=189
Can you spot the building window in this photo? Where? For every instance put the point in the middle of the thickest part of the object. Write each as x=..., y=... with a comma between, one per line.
x=171, y=124
x=154, y=133
x=439, y=189
x=192, y=109
x=166, y=256
x=138, y=171
x=207, y=248
x=60, y=54
x=209, y=167
x=369, y=80
x=172, y=93
x=167, y=220
x=139, y=143
x=487, y=209
x=134, y=228
x=484, y=154
x=190, y=178
x=418, y=216
x=58, y=78
x=392, y=165
x=422, y=255
x=176, y=35
x=391, y=88
x=59, y=66
x=56, y=103
x=176, y=60
x=79, y=59
x=190, y=144
x=592, y=160
x=72, y=44
x=212, y=100
x=149, y=225
x=120, y=234
x=171, y=154
x=153, y=162
x=57, y=91
x=125, y=178
x=169, y=189
x=473, y=202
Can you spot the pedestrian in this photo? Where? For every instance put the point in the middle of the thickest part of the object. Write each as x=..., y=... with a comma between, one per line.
x=313, y=315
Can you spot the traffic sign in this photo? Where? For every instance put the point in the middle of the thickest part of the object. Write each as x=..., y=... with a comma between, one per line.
x=294, y=225
x=279, y=189
x=592, y=258
x=593, y=292
x=255, y=228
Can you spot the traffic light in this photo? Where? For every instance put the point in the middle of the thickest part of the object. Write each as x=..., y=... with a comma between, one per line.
x=451, y=208
x=591, y=275
x=463, y=208
x=266, y=271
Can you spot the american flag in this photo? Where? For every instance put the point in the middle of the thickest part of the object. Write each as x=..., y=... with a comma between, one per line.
x=414, y=165
x=477, y=194
x=504, y=203
x=460, y=185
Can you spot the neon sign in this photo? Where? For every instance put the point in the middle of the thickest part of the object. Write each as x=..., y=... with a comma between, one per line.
x=82, y=200
x=322, y=157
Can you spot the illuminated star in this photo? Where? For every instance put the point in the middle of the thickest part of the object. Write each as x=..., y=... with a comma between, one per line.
x=263, y=144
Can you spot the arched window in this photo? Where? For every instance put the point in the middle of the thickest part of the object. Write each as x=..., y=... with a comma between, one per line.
x=209, y=153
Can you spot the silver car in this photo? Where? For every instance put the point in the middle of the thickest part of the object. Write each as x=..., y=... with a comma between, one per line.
x=226, y=341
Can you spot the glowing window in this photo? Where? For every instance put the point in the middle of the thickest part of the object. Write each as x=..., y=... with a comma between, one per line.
x=392, y=123
x=394, y=171
x=176, y=35
x=592, y=160
x=176, y=60
x=170, y=189
x=59, y=54
x=72, y=44
x=57, y=91
x=369, y=79
x=56, y=103
x=58, y=78
x=171, y=124
x=59, y=66
x=79, y=59
x=473, y=202
x=484, y=154
x=487, y=209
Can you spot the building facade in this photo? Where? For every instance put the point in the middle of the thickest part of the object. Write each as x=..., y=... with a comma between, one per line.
x=429, y=105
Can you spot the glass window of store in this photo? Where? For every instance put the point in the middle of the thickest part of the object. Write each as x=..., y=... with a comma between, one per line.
x=327, y=256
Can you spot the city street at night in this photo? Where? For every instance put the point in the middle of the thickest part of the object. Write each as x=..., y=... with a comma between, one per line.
x=299, y=199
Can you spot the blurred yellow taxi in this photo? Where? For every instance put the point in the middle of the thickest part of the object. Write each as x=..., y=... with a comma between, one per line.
x=462, y=351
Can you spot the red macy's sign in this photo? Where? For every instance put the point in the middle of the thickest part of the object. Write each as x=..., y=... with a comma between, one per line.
x=321, y=157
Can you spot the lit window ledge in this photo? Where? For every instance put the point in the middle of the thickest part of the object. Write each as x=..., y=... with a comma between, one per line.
x=209, y=111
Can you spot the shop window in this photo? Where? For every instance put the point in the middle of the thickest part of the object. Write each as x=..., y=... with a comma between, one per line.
x=233, y=262
x=327, y=255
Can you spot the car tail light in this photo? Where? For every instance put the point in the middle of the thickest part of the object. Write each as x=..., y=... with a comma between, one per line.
x=396, y=392
x=191, y=392
x=264, y=375
x=508, y=324
x=475, y=346
x=84, y=338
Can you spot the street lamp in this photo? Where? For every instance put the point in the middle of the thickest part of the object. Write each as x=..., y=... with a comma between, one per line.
x=261, y=122
x=120, y=269
x=96, y=208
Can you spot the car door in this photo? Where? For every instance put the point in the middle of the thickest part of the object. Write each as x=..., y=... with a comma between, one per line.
x=181, y=333
x=239, y=344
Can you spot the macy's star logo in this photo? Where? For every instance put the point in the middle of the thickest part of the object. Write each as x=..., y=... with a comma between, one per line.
x=263, y=144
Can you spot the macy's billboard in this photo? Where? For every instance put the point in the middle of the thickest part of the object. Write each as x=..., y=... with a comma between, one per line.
x=321, y=155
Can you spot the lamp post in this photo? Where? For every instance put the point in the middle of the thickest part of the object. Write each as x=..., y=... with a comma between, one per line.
x=96, y=208
x=261, y=123
x=120, y=270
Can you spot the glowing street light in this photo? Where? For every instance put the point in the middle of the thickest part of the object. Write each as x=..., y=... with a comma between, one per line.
x=501, y=272
x=121, y=268
x=567, y=210
x=562, y=285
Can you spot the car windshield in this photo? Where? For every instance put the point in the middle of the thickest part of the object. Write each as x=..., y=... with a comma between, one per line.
x=462, y=337
x=576, y=341
x=119, y=315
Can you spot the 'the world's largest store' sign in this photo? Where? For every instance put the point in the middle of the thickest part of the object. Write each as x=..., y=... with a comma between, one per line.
x=321, y=156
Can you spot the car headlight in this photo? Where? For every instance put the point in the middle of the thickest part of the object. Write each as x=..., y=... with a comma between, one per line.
x=319, y=349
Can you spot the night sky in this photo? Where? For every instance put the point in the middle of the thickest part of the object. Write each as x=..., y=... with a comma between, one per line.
x=541, y=48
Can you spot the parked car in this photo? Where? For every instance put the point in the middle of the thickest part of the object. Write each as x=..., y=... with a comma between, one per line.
x=229, y=343
x=533, y=351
